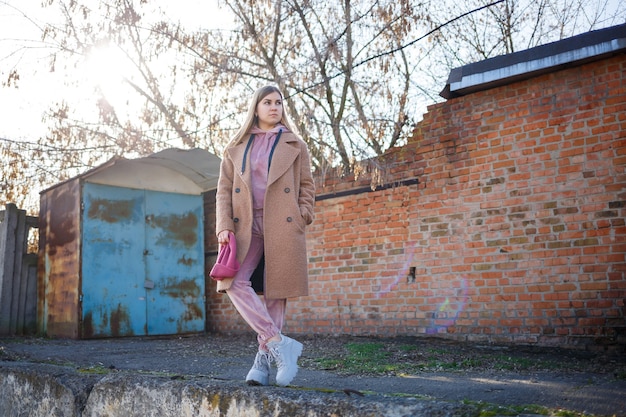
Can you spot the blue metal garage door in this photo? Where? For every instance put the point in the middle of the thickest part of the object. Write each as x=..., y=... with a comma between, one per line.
x=142, y=262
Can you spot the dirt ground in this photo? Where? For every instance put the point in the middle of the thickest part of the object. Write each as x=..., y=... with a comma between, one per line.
x=588, y=382
x=409, y=355
x=377, y=356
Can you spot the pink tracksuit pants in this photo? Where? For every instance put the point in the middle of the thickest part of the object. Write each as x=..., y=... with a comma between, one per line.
x=265, y=316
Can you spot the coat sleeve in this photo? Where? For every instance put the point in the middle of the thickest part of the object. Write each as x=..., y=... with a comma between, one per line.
x=224, y=199
x=306, y=199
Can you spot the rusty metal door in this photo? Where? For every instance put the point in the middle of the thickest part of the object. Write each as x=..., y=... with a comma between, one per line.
x=174, y=263
x=142, y=271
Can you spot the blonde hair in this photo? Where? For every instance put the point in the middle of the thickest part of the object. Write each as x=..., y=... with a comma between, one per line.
x=251, y=118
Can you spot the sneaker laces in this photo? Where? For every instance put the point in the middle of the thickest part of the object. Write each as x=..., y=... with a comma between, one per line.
x=258, y=361
x=276, y=355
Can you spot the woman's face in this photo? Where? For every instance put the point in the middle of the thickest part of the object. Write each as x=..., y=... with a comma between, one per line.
x=269, y=111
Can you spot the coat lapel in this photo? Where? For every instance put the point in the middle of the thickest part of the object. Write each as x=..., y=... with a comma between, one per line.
x=236, y=154
x=283, y=158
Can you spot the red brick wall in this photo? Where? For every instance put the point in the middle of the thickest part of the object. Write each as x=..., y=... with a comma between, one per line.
x=515, y=229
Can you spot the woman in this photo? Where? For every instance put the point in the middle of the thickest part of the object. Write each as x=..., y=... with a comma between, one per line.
x=265, y=197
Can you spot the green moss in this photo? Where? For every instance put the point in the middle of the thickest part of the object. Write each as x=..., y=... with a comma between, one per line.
x=94, y=370
x=491, y=410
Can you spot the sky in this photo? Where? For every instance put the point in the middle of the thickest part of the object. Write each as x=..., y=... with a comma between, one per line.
x=18, y=107
x=21, y=109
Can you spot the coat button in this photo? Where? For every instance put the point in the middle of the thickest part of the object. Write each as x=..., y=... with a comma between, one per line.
x=287, y=189
x=237, y=190
x=289, y=219
x=236, y=219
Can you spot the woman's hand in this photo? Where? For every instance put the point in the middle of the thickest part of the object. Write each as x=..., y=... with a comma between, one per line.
x=222, y=237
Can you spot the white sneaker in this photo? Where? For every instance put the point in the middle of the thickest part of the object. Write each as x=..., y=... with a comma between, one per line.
x=259, y=374
x=285, y=354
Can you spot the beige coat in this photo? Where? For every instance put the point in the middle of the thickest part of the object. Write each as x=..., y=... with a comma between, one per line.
x=289, y=201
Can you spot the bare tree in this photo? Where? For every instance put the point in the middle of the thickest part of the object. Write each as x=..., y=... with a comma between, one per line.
x=315, y=51
x=356, y=73
x=508, y=26
x=153, y=113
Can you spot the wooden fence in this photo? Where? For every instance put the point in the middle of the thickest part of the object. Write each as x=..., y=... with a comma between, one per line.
x=18, y=273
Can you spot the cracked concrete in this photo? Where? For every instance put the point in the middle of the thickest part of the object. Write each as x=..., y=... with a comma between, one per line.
x=203, y=376
x=52, y=391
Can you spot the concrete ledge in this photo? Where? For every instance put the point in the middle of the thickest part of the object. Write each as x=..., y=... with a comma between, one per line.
x=40, y=390
x=34, y=394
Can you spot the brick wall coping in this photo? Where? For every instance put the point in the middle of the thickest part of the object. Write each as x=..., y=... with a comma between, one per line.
x=505, y=69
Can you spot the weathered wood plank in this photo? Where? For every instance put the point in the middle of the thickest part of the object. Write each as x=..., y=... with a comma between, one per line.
x=19, y=283
x=29, y=313
x=18, y=273
x=7, y=263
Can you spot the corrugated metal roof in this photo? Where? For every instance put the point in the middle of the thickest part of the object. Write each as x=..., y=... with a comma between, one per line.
x=192, y=171
x=200, y=166
x=529, y=63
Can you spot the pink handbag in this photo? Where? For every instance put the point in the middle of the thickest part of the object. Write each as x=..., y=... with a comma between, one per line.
x=226, y=265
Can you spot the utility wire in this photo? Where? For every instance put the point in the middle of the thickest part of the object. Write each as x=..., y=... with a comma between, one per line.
x=413, y=42
x=401, y=47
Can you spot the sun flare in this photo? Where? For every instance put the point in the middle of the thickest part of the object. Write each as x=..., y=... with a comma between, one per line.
x=109, y=69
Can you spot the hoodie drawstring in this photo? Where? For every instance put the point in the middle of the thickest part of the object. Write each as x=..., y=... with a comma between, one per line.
x=249, y=144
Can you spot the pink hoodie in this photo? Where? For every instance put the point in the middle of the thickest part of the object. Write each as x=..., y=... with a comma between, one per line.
x=259, y=161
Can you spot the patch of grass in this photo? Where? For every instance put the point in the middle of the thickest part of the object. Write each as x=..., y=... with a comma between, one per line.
x=408, y=348
x=567, y=413
x=436, y=351
x=94, y=370
x=453, y=365
x=510, y=363
x=377, y=358
x=382, y=358
x=620, y=375
x=491, y=410
x=361, y=358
